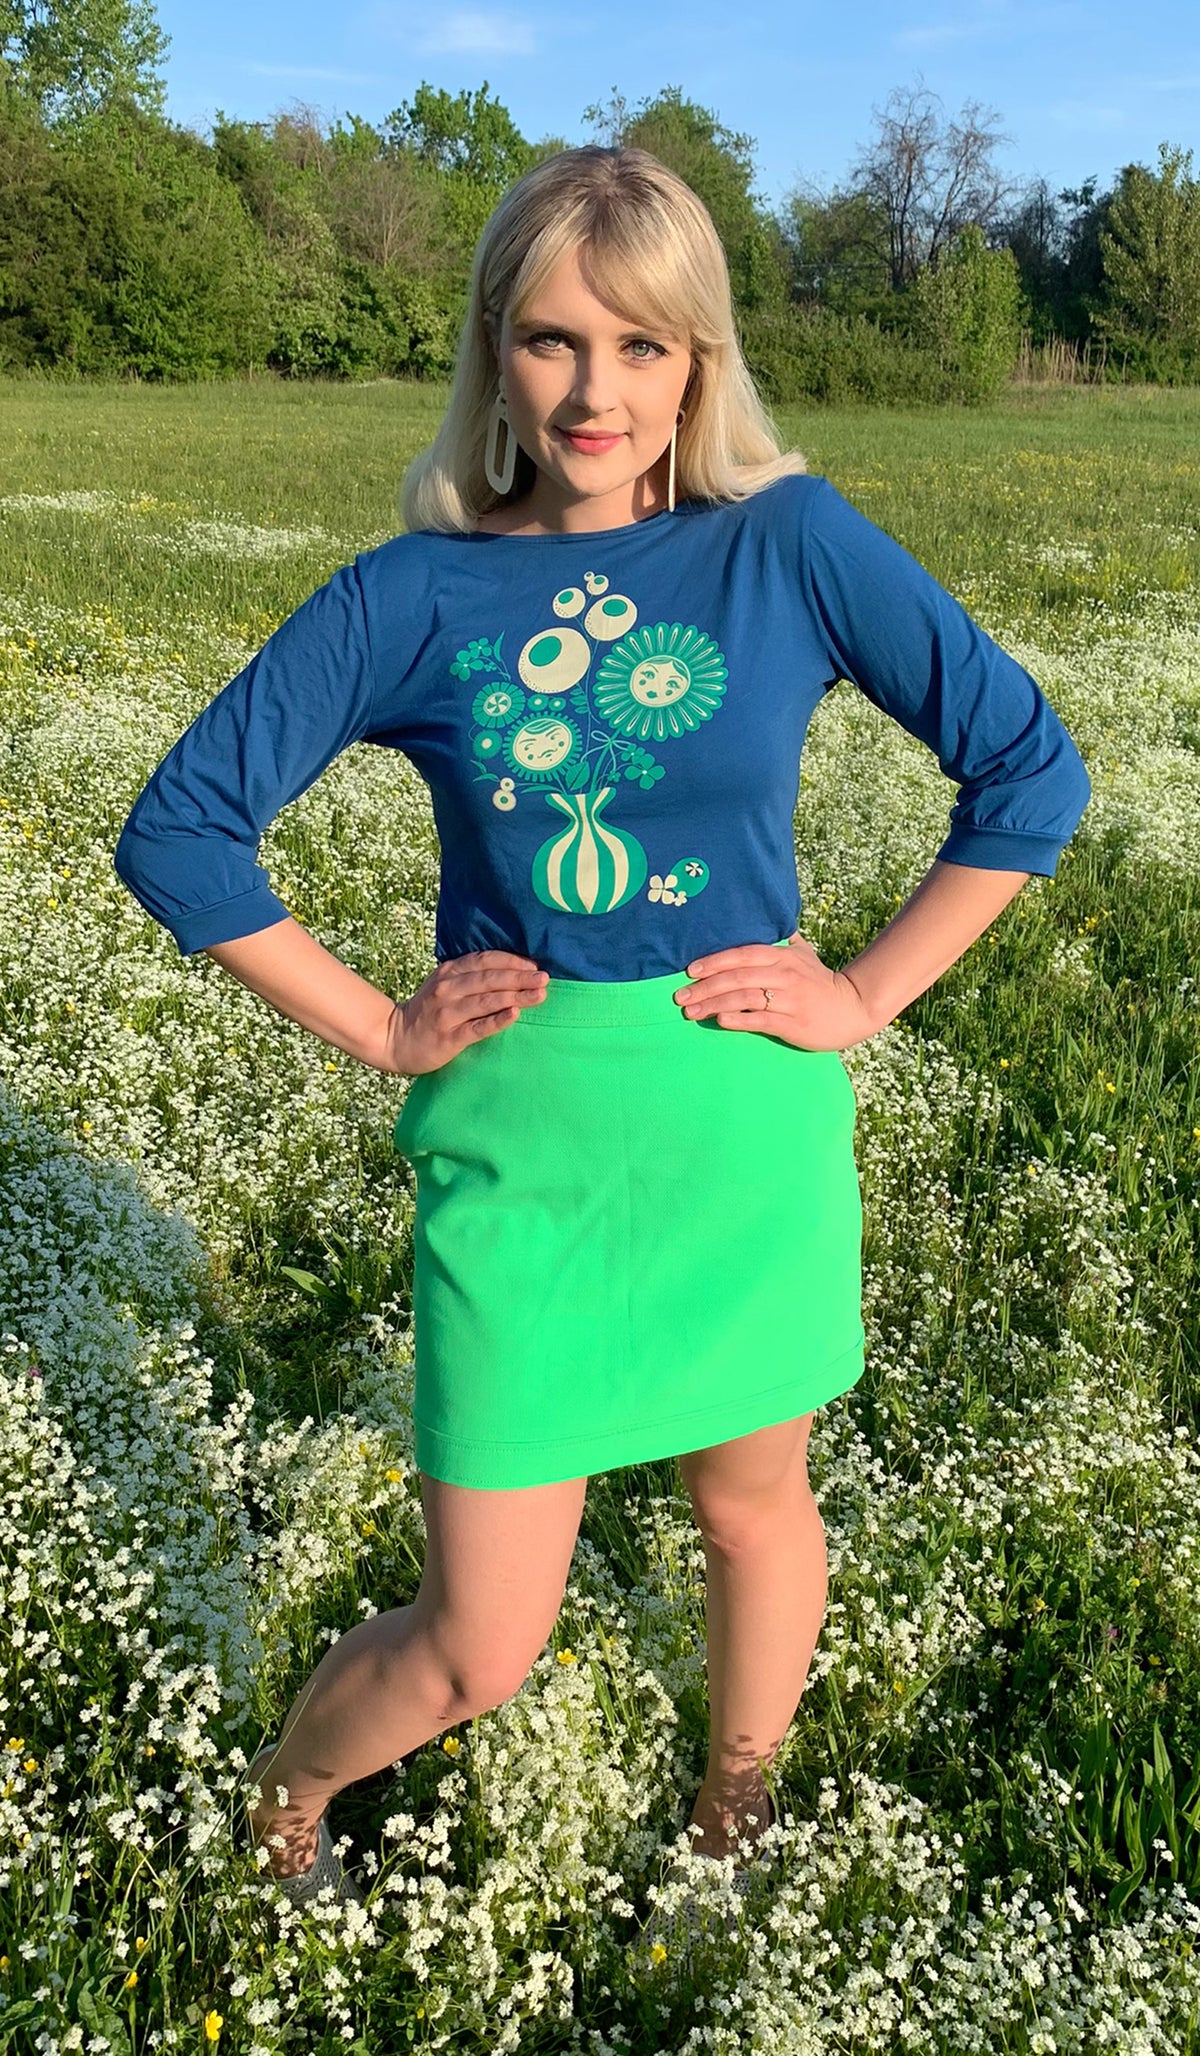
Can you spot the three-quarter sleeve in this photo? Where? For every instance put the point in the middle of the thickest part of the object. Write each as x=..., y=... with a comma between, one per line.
x=909, y=645
x=188, y=850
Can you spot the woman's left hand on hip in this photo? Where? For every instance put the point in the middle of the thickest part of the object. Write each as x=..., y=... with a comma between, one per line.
x=812, y=1005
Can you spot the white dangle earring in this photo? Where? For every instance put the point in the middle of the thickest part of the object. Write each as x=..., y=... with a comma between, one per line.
x=500, y=480
x=681, y=416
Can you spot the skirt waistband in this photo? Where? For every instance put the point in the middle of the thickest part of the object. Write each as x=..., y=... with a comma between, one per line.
x=604, y=1003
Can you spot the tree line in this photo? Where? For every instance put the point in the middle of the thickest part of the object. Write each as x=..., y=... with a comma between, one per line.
x=304, y=247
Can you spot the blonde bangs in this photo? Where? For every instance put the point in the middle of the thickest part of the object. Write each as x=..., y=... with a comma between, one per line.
x=638, y=274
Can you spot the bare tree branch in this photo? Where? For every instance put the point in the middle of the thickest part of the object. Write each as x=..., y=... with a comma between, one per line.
x=931, y=179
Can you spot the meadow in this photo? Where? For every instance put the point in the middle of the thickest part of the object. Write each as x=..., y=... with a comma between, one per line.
x=991, y=1796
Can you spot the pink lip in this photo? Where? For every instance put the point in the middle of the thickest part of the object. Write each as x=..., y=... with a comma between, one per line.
x=599, y=442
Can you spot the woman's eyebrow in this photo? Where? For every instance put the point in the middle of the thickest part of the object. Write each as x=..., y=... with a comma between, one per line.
x=559, y=329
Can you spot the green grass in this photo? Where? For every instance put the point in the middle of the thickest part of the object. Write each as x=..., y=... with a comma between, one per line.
x=1013, y=1642
x=1115, y=469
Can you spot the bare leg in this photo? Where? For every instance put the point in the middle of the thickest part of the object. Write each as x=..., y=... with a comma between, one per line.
x=495, y=1569
x=380, y=1691
x=767, y=1586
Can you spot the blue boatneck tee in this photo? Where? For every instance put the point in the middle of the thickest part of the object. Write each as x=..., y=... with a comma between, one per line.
x=610, y=725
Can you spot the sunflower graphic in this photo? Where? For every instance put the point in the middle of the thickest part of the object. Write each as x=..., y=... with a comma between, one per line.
x=661, y=681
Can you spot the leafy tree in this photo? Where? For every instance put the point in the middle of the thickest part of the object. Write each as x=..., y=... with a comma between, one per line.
x=470, y=147
x=1034, y=233
x=1083, y=282
x=967, y=311
x=123, y=251
x=73, y=59
x=1151, y=252
x=464, y=135
x=838, y=245
x=1055, y=239
x=245, y=155
x=386, y=211
x=279, y=170
x=356, y=245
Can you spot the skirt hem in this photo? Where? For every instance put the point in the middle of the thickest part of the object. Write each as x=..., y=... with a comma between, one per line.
x=504, y=1465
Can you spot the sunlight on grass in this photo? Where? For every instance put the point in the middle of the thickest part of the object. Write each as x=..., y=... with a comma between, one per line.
x=990, y=1833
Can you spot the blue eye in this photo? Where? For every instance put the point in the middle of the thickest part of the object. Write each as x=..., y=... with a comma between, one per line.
x=556, y=334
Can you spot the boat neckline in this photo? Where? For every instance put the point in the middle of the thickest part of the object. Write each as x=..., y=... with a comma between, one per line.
x=588, y=535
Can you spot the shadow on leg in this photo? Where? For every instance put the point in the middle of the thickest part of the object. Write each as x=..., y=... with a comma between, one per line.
x=765, y=1596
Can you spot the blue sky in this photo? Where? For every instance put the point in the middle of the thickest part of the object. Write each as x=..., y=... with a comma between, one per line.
x=1081, y=86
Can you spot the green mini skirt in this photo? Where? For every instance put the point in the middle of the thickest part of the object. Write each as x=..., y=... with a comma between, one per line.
x=635, y=1235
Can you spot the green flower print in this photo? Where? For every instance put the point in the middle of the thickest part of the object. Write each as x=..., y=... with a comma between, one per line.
x=497, y=705
x=682, y=882
x=478, y=656
x=642, y=766
x=578, y=747
x=661, y=681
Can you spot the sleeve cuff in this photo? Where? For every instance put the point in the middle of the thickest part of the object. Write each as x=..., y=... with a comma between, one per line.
x=245, y=915
x=1002, y=849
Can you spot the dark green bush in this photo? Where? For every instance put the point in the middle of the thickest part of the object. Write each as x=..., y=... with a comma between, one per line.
x=807, y=352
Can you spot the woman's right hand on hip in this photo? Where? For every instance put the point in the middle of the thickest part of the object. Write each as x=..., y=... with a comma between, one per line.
x=462, y=1000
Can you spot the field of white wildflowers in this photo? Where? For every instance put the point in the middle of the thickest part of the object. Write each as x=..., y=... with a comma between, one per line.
x=991, y=1823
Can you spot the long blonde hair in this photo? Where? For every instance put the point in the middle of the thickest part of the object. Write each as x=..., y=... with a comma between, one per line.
x=650, y=248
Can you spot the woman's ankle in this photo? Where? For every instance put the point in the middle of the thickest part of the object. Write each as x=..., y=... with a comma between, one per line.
x=722, y=1826
x=269, y=1821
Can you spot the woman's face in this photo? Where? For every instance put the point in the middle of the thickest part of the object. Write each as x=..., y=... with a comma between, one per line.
x=574, y=362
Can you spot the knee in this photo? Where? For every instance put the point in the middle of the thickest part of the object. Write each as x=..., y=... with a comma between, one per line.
x=745, y=1495
x=479, y=1682
x=734, y=1530
x=739, y=1525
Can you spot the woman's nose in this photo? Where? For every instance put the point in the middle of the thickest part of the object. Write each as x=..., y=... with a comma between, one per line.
x=594, y=385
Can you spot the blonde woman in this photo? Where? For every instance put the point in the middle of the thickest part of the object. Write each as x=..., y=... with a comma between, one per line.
x=638, y=1230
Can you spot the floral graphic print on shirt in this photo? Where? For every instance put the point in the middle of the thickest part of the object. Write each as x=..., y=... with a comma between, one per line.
x=558, y=731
